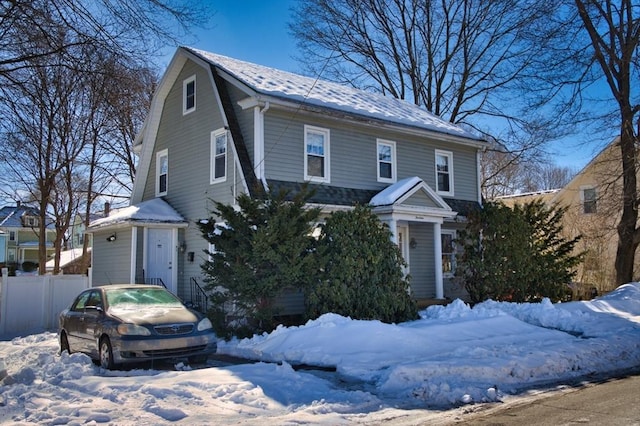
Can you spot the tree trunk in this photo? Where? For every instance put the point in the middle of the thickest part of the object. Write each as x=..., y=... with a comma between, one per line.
x=627, y=226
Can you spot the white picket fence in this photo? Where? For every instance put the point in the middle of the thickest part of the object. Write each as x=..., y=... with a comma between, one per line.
x=30, y=304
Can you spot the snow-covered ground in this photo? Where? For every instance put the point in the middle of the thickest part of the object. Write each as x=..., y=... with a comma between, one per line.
x=452, y=356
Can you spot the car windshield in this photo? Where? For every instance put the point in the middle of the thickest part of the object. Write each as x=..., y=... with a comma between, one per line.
x=135, y=298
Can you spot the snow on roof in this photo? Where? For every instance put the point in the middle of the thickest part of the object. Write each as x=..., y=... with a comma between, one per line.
x=66, y=257
x=154, y=210
x=298, y=88
x=392, y=193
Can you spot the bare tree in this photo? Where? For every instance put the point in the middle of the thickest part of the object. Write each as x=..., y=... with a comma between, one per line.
x=462, y=60
x=130, y=28
x=613, y=30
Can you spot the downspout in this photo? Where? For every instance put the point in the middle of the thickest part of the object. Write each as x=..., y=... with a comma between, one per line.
x=258, y=146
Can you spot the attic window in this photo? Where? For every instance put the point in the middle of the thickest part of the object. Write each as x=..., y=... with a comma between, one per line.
x=189, y=95
x=589, y=200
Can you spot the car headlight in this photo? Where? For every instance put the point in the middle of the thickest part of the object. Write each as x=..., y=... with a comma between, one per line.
x=133, y=330
x=204, y=324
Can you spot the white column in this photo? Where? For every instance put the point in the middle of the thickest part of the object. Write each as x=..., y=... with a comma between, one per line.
x=393, y=227
x=134, y=253
x=437, y=255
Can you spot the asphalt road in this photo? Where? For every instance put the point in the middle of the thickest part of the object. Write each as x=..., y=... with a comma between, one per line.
x=610, y=402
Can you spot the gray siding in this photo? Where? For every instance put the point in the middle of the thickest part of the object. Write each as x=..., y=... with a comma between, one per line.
x=188, y=141
x=353, y=156
x=111, y=260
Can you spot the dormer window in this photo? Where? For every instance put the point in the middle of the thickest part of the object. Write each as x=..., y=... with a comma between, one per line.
x=189, y=95
x=30, y=221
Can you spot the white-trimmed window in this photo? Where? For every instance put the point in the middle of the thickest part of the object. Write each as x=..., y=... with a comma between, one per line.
x=316, y=154
x=12, y=235
x=386, y=161
x=589, y=200
x=219, y=156
x=444, y=172
x=447, y=238
x=162, y=172
x=189, y=95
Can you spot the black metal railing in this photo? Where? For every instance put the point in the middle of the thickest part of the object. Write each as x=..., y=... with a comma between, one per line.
x=199, y=298
x=155, y=281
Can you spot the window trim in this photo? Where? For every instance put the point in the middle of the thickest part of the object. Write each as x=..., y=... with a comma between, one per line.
x=159, y=155
x=212, y=166
x=185, y=84
x=449, y=156
x=392, y=145
x=327, y=142
x=451, y=232
x=583, y=199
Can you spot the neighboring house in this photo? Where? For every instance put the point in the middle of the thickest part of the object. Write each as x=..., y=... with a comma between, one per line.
x=593, y=199
x=71, y=261
x=19, y=227
x=219, y=127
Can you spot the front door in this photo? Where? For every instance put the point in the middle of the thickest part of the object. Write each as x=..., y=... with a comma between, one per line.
x=159, y=257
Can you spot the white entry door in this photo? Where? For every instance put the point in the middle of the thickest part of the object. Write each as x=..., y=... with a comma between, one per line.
x=159, y=256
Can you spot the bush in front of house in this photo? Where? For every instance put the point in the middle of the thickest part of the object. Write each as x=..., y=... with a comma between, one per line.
x=516, y=254
x=361, y=275
x=261, y=248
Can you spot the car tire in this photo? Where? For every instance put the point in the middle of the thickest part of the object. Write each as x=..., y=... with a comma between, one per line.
x=106, y=354
x=64, y=343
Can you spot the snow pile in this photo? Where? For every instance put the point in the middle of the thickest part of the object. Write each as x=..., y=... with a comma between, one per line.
x=453, y=355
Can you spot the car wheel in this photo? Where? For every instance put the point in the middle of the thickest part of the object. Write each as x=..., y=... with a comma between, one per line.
x=106, y=354
x=64, y=343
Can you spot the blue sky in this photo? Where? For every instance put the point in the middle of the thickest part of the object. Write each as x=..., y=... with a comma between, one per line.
x=257, y=31
x=252, y=30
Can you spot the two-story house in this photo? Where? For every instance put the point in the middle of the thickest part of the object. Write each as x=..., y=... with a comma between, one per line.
x=19, y=228
x=220, y=126
x=593, y=199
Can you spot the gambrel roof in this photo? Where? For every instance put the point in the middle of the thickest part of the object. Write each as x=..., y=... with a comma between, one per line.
x=264, y=85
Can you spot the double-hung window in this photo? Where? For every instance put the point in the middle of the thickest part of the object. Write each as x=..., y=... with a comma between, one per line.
x=219, y=156
x=448, y=252
x=316, y=154
x=162, y=172
x=589, y=197
x=189, y=95
x=386, y=161
x=444, y=172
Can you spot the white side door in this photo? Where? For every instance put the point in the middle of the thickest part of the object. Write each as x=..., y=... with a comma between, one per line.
x=159, y=256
